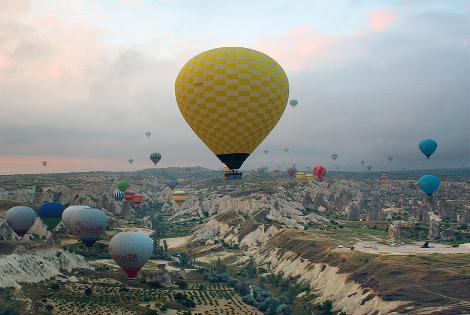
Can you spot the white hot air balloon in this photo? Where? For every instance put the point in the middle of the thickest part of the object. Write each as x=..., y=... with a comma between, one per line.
x=20, y=219
x=89, y=225
x=131, y=251
x=67, y=216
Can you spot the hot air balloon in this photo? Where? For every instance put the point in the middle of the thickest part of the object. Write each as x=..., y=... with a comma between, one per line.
x=235, y=92
x=51, y=214
x=155, y=157
x=130, y=161
x=137, y=199
x=286, y=149
x=362, y=162
x=334, y=156
x=148, y=134
x=20, y=219
x=300, y=175
x=390, y=158
x=293, y=103
x=89, y=225
x=319, y=172
x=291, y=171
x=428, y=147
x=129, y=196
x=68, y=216
x=266, y=151
x=429, y=184
x=383, y=176
x=44, y=163
x=309, y=177
x=172, y=183
x=118, y=195
x=131, y=251
x=369, y=167
x=180, y=196
x=122, y=185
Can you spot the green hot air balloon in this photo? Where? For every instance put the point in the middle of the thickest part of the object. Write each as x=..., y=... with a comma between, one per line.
x=122, y=185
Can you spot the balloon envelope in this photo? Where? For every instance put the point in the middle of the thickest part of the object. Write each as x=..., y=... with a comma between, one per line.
x=155, y=157
x=51, y=214
x=118, y=195
x=122, y=185
x=390, y=158
x=429, y=184
x=172, y=183
x=428, y=147
x=179, y=197
x=67, y=216
x=130, y=161
x=232, y=97
x=291, y=171
x=131, y=251
x=148, y=134
x=89, y=225
x=44, y=163
x=20, y=219
x=319, y=172
x=334, y=156
x=293, y=103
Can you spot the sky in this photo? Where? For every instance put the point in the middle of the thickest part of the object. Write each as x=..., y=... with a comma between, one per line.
x=82, y=81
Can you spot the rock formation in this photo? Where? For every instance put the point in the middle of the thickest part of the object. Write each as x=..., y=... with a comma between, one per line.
x=374, y=213
x=434, y=231
x=394, y=232
x=354, y=213
x=446, y=211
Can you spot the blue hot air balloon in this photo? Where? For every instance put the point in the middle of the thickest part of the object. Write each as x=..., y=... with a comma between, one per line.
x=428, y=147
x=51, y=214
x=429, y=184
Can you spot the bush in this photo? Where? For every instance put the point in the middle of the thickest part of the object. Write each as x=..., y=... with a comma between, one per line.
x=179, y=296
x=54, y=286
x=183, y=285
x=88, y=291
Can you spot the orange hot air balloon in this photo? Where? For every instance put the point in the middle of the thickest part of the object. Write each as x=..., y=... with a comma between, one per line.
x=319, y=172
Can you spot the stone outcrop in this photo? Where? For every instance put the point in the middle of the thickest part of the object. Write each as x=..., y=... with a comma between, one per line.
x=446, y=212
x=374, y=213
x=464, y=217
x=161, y=278
x=354, y=213
x=434, y=230
x=394, y=233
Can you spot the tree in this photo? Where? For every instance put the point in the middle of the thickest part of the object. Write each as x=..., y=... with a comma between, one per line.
x=88, y=291
x=165, y=246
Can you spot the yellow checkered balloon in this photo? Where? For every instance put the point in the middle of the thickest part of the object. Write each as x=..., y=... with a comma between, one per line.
x=232, y=97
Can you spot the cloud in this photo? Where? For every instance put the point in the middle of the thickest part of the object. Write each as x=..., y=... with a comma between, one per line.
x=380, y=20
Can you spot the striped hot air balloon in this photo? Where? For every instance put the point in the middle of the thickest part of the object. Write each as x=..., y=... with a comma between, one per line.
x=20, y=219
x=179, y=197
x=319, y=172
x=137, y=200
x=129, y=196
x=291, y=171
x=118, y=195
x=300, y=175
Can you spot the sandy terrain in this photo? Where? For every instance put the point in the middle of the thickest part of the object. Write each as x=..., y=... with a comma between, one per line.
x=372, y=247
x=177, y=241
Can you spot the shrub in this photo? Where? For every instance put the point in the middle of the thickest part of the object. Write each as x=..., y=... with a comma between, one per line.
x=54, y=286
x=88, y=291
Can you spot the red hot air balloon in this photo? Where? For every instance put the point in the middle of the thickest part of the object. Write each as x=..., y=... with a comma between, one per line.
x=44, y=163
x=319, y=172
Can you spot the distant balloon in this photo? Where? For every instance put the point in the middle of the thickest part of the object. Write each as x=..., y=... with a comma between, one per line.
x=291, y=171
x=68, y=215
x=334, y=156
x=234, y=108
x=429, y=184
x=428, y=147
x=131, y=251
x=89, y=225
x=137, y=199
x=390, y=158
x=51, y=214
x=118, y=195
x=286, y=149
x=266, y=151
x=172, y=183
x=130, y=161
x=122, y=185
x=148, y=134
x=309, y=176
x=293, y=103
x=20, y=219
x=362, y=162
x=129, y=196
x=300, y=175
x=44, y=163
x=179, y=197
x=369, y=167
x=319, y=172
x=337, y=168
x=155, y=157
